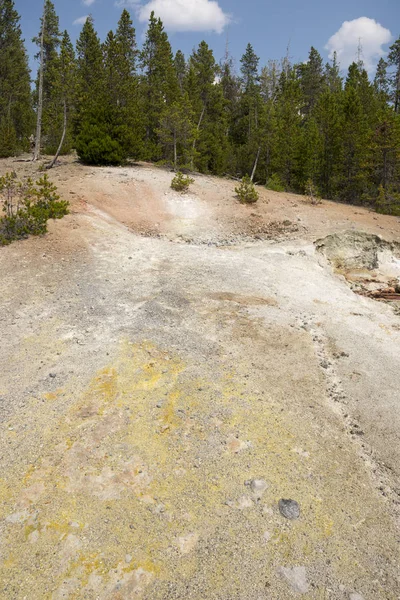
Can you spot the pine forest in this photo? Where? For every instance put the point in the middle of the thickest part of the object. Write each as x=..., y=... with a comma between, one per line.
x=306, y=127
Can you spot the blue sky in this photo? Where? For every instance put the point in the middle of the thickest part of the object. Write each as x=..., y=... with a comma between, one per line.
x=269, y=26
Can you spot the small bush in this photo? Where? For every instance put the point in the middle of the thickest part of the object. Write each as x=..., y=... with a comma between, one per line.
x=181, y=182
x=312, y=192
x=246, y=191
x=387, y=202
x=27, y=207
x=96, y=147
x=275, y=184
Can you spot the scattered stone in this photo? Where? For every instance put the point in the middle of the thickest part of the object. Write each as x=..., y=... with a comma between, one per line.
x=289, y=509
x=296, y=577
x=267, y=510
x=356, y=596
x=267, y=536
x=188, y=542
x=235, y=445
x=53, y=375
x=128, y=558
x=242, y=503
x=257, y=486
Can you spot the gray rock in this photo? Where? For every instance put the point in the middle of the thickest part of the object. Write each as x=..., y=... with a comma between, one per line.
x=257, y=486
x=296, y=577
x=289, y=509
x=356, y=596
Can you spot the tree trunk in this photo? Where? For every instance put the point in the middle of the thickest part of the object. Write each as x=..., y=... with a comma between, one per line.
x=195, y=140
x=255, y=164
x=57, y=154
x=40, y=91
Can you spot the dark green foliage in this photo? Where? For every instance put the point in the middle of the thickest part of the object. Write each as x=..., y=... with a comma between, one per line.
x=181, y=182
x=311, y=80
x=285, y=124
x=275, y=184
x=95, y=146
x=246, y=191
x=159, y=85
x=177, y=133
x=52, y=114
x=27, y=207
x=16, y=113
x=102, y=126
x=394, y=63
x=388, y=201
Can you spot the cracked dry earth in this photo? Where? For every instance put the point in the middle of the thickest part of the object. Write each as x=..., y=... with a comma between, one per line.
x=159, y=398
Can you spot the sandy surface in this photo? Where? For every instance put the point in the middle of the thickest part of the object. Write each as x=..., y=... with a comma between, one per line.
x=159, y=355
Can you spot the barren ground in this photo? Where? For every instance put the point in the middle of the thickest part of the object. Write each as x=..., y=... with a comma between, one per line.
x=170, y=368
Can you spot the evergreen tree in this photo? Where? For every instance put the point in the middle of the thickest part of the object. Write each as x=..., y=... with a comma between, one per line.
x=381, y=81
x=247, y=129
x=384, y=151
x=288, y=138
x=208, y=105
x=177, y=132
x=47, y=102
x=96, y=134
x=159, y=87
x=332, y=75
x=394, y=63
x=121, y=81
x=311, y=77
x=328, y=113
x=180, y=68
x=16, y=114
x=354, y=144
x=64, y=91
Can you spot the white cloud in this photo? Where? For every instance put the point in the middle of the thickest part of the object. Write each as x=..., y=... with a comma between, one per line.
x=347, y=39
x=81, y=20
x=182, y=15
x=88, y=2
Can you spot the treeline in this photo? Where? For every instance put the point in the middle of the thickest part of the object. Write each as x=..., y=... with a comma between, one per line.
x=289, y=126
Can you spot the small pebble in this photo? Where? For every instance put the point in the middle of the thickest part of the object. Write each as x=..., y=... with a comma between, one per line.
x=289, y=509
x=258, y=487
x=296, y=577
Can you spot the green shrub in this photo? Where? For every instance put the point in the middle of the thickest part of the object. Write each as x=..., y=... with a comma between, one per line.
x=275, y=184
x=246, y=191
x=388, y=202
x=312, y=193
x=181, y=182
x=27, y=207
x=96, y=147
